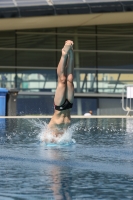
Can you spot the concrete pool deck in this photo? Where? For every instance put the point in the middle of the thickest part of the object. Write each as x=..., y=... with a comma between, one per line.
x=73, y=116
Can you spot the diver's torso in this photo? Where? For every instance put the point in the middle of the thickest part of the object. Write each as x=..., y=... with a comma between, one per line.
x=60, y=120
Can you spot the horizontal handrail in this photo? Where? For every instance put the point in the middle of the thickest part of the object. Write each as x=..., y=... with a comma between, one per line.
x=76, y=68
x=72, y=116
x=75, y=50
x=71, y=34
x=76, y=94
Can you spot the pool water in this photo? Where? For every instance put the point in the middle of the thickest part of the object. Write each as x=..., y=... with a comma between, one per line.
x=98, y=166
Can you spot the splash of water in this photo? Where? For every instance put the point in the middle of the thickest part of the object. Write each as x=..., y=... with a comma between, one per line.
x=47, y=137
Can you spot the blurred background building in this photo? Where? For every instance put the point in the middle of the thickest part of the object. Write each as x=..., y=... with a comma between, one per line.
x=32, y=33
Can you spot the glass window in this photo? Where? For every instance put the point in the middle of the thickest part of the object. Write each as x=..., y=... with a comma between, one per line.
x=36, y=80
x=85, y=81
x=39, y=49
x=7, y=40
x=7, y=78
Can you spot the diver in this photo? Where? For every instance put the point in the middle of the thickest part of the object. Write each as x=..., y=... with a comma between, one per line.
x=64, y=94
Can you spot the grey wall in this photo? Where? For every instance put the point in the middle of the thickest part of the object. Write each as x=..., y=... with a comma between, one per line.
x=110, y=106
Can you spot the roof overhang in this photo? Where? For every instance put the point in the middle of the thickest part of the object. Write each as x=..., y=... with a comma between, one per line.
x=65, y=21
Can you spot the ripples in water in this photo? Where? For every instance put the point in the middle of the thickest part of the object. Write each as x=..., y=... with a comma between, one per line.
x=98, y=166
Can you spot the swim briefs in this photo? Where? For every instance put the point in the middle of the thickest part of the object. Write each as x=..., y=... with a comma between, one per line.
x=66, y=105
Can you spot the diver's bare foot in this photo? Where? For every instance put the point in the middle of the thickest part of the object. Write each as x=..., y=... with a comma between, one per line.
x=68, y=45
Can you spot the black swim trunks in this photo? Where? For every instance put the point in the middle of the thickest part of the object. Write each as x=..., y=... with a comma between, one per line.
x=66, y=105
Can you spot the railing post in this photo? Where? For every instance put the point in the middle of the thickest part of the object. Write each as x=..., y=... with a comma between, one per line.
x=12, y=102
x=79, y=103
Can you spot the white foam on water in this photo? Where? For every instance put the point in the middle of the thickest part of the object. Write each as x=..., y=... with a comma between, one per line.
x=46, y=137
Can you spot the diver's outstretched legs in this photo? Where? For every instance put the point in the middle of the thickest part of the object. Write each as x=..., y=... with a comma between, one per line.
x=62, y=72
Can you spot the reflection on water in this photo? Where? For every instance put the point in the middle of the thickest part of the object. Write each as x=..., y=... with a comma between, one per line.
x=98, y=166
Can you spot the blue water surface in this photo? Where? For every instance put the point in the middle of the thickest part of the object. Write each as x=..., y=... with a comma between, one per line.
x=98, y=166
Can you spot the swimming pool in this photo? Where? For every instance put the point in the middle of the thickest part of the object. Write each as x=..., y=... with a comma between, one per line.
x=98, y=166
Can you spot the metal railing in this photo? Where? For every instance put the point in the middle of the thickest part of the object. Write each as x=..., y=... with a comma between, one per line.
x=127, y=98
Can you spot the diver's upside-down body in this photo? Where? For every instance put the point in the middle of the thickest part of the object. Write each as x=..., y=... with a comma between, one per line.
x=64, y=95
